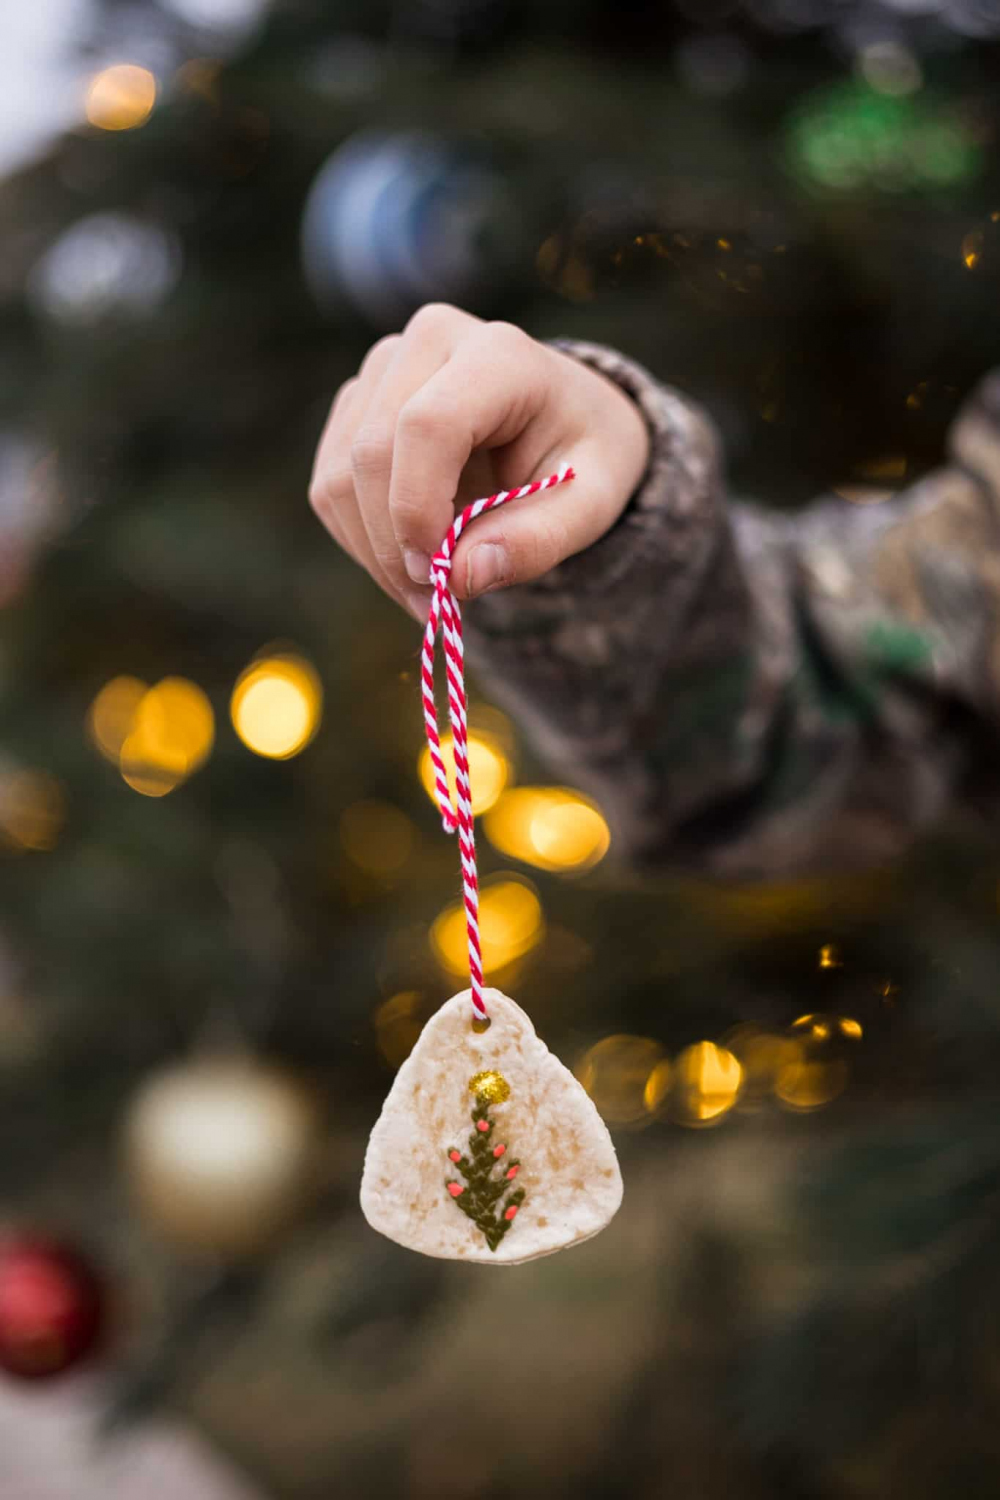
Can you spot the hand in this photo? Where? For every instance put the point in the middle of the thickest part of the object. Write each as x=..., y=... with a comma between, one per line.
x=454, y=408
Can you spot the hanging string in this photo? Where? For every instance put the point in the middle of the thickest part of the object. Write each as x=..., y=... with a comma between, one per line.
x=457, y=815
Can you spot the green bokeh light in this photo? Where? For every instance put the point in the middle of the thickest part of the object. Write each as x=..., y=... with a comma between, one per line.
x=850, y=136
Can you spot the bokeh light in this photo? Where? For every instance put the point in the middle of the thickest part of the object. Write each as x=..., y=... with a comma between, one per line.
x=32, y=810
x=377, y=837
x=220, y=1154
x=121, y=97
x=972, y=249
x=821, y=1028
x=561, y=266
x=398, y=1024
x=511, y=923
x=658, y=1085
x=761, y=1054
x=277, y=706
x=887, y=136
x=171, y=736
x=707, y=1084
x=829, y=957
x=112, y=715
x=489, y=768
x=819, y=1070
x=889, y=67
x=106, y=266
x=156, y=736
x=615, y=1072
x=551, y=827
x=807, y=1083
x=223, y=20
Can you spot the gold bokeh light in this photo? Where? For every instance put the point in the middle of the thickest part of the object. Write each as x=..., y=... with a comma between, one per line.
x=615, y=1072
x=810, y=1082
x=32, y=810
x=761, y=1054
x=819, y=1070
x=171, y=736
x=658, y=1085
x=708, y=1081
x=510, y=925
x=489, y=768
x=972, y=249
x=121, y=97
x=277, y=705
x=156, y=736
x=551, y=827
x=398, y=1024
x=820, y=1028
x=112, y=714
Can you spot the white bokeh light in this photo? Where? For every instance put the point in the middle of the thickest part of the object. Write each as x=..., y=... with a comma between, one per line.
x=105, y=264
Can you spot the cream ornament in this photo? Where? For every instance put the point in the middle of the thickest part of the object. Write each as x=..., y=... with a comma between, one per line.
x=221, y=1155
x=487, y=1148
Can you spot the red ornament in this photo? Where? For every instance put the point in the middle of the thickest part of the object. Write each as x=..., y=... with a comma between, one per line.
x=456, y=1189
x=512, y=1173
x=454, y=1156
x=483, y=1125
x=511, y=1212
x=51, y=1307
x=499, y=1150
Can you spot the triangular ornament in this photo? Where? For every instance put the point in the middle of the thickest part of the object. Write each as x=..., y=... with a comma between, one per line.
x=487, y=1148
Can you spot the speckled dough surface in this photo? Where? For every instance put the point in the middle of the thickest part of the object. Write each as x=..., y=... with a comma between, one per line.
x=566, y=1163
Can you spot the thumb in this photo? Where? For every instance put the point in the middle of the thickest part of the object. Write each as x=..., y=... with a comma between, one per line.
x=523, y=540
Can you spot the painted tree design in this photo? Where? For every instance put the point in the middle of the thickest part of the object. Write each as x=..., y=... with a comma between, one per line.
x=481, y=1193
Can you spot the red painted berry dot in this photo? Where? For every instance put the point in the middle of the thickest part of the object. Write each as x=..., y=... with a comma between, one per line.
x=454, y=1156
x=499, y=1150
x=511, y=1174
x=456, y=1189
x=511, y=1212
x=483, y=1125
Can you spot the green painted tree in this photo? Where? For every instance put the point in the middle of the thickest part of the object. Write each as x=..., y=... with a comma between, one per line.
x=482, y=1191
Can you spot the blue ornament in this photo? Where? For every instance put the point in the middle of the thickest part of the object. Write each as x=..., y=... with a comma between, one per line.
x=396, y=220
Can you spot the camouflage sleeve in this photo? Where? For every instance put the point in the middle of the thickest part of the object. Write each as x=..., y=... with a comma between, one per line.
x=749, y=693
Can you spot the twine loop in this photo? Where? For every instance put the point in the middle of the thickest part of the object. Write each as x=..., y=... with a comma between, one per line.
x=456, y=813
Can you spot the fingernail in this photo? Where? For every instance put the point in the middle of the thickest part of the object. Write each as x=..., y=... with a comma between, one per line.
x=487, y=567
x=418, y=565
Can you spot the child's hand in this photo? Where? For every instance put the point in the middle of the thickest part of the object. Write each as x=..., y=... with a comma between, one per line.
x=454, y=408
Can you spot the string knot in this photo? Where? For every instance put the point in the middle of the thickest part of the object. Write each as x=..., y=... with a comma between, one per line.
x=440, y=569
x=456, y=813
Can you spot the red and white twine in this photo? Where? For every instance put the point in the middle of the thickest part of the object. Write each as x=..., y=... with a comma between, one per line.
x=457, y=815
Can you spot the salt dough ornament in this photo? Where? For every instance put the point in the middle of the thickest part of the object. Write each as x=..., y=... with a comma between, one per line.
x=487, y=1149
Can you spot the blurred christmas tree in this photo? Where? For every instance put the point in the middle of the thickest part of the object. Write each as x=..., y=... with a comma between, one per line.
x=213, y=837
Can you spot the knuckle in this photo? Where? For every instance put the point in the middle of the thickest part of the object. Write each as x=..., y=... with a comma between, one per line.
x=378, y=353
x=390, y=563
x=508, y=337
x=371, y=451
x=433, y=317
x=345, y=391
x=405, y=509
x=328, y=491
x=423, y=418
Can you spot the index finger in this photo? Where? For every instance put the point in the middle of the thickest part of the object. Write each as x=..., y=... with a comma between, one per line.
x=483, y=397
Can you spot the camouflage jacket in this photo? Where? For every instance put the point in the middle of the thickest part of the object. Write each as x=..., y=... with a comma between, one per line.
x=755, y=693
